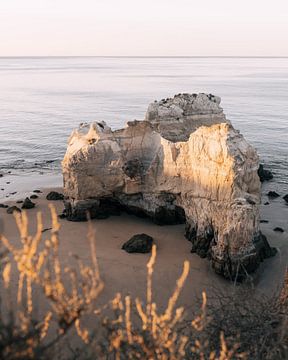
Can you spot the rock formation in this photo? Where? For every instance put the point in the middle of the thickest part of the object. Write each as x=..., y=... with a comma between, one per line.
x=185, y=163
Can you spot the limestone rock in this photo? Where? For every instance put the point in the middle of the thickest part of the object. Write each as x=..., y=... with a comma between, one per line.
x=185, y=163
x=140, y=243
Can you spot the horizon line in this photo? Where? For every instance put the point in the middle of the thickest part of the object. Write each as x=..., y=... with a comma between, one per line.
x=146, y=56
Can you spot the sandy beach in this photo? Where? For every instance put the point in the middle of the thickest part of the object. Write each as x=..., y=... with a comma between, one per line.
x=126, y=273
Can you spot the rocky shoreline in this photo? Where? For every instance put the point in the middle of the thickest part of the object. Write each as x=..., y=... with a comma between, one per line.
x=208, y=180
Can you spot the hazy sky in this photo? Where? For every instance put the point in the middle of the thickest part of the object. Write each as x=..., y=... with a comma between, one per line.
x=146, y=27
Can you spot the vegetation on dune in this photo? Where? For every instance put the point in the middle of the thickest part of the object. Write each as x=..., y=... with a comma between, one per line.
x=229, y=326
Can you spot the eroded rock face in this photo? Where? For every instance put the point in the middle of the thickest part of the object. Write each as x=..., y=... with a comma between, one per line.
x=184, y=163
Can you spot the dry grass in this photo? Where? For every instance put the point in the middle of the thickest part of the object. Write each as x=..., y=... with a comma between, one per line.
x=234, y=327
x=70, y=292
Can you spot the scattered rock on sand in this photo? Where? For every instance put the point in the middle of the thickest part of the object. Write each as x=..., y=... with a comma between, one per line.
x=140, y=243
x=11, y=209
x=273, y=194
x=54, y=195
x=28, y=204
x=34, y=196
x=264, y=174
x=278, y=229
x=286, y=198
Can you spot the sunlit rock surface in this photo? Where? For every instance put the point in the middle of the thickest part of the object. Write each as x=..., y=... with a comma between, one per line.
x=185, y=163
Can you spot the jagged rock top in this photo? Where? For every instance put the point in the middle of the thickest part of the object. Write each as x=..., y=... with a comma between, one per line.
x=184, y=105
x=176, y=118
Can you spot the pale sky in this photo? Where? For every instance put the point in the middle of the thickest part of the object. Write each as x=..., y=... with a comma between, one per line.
x=144, y=28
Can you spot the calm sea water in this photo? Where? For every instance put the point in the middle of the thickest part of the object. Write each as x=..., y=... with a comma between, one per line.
x=43, y=99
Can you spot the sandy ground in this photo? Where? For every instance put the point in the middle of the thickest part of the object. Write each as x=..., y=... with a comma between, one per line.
x=126, y=273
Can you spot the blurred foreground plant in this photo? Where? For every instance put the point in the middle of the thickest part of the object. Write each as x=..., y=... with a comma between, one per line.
x=70, y=292
x=230, y=328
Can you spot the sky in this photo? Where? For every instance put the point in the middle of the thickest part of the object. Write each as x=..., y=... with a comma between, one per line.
x=143, y=28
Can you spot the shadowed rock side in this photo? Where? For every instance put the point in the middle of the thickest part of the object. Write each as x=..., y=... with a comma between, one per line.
x=184, y=164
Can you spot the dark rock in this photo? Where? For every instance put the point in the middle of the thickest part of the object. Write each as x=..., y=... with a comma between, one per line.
x=13, y=193
x=8, y=182
x=140, y=243
x=1, y=175
x=62, y=216
x=34, y=196
x=19, y=201
x=238, y=270
x=266, y=203
x=47, y=229
x=54, y=195
x=286, y=198
x=250, y=201
x=273, y=194
x=4, y=206
x=264, y=174
x=264, y=221
x=2, y=189
x=201, y=241
x=11, y=209
x=28, y=204
x=278, y=229
x=133, y=168
x=92, y=208
x=37, y=191
x=169, y=216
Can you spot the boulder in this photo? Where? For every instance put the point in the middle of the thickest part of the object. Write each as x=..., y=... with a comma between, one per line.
x=140, y=243
x=54, y=195
x=185, y=163
x=264, y=174
x=11, y=209
x=273, y=194
x=28, y=204
x=285, y=197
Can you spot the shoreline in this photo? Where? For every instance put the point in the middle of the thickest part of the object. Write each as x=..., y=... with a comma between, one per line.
x=126, y=273
x=15, y=185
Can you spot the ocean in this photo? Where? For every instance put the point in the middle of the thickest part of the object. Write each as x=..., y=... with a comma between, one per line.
x=42, y=99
